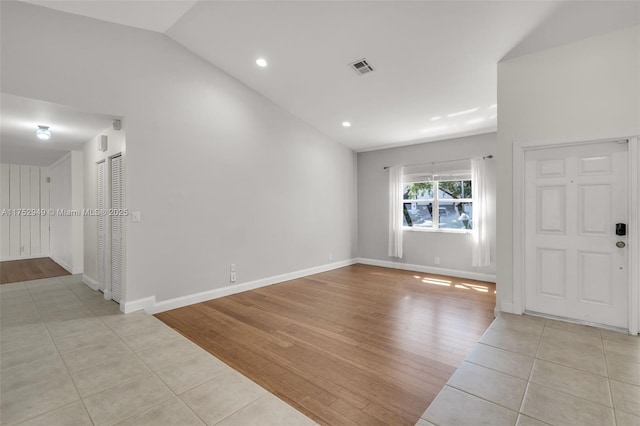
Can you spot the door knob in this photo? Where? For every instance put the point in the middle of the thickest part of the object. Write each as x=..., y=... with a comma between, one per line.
x=620, y=244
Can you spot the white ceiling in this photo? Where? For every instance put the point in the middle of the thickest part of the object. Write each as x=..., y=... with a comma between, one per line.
x=70, y=130
x=431, y=58
x=150, y=15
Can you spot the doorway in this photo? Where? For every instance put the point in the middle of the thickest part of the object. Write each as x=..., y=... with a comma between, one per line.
x=574, y=197
x=110, y=227
x=575, y=208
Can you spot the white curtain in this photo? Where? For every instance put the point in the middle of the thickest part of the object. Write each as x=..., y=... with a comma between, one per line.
x=481, y=243
x=395, y=211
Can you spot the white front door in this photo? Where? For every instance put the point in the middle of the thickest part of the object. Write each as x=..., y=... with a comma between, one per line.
x=574, y=197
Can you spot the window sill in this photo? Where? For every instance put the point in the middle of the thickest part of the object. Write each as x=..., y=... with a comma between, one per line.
x=438, y=230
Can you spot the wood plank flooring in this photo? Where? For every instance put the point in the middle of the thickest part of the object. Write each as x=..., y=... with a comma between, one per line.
x=29, y=269
x=359, y=345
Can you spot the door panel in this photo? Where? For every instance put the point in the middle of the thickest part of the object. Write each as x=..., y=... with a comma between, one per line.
x=102, y=224
x=117, y=223
x=551, y=279
x=594, y=269
x=551, y=215
x=574, y=196
x=594, y=216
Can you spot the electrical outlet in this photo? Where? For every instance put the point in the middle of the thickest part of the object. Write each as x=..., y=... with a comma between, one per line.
x=233, y=267
x=232, y=278
x=436, y=260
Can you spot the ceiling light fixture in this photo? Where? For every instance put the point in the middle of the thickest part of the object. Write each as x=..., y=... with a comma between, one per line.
x=466, y=111
x=346, y=124
x=494, y=106
x=43, y=133
x=261, y=62
x=436, y=118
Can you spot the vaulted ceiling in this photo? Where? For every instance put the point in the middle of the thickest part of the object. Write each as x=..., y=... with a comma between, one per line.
x=435, y=62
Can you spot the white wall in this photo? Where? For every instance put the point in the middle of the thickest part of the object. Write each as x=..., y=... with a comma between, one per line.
x=77, y=204
x=61, y=224
x=420, y=248
x=116, y=145
x=24, y=236
x=66, y=217
x=580, y=91
x=220, y=174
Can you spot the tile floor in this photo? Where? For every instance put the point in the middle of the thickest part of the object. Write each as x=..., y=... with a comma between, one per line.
x=68, y=357
x=530, y=371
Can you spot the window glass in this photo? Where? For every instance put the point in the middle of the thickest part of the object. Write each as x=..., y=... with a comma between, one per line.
x=451, y=209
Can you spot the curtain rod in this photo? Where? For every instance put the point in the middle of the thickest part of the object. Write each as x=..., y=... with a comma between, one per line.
x=486, y=157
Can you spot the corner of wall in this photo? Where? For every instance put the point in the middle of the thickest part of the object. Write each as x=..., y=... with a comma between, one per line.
x=150, y=305
x=93, y=284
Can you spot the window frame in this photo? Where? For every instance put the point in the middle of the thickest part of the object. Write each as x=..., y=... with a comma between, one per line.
x=435, y=211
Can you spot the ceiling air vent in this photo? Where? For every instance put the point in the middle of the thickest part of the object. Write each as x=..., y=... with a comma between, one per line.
x=361, y=67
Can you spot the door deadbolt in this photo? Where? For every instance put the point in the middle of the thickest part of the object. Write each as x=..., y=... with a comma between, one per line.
x=620, y=244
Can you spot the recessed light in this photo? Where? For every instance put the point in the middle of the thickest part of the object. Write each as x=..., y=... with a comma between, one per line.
x=346, y=124
x=475, y=121
x=466, y=111
x=261, y=62
x=494, y=106
x=43, y=133
x=436, y=118
x=493, y=117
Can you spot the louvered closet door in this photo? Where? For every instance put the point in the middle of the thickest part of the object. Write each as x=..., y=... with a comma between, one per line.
x=102, y=223
x=117, y=224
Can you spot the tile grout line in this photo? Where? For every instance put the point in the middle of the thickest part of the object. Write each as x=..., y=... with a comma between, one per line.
x=86, y=410
x=484, y=399
x=81, y=398
x=542, y=359
x=533, y=365
x=529, y=381
x=99, y=317
x=233, y=370
x=571, y=395
x=245, y=406
x=60, y=356
x=606, y=369
x=154, y=374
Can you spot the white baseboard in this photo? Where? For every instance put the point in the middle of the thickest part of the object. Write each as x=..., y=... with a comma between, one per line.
x=107, y=294
x=147, y=303
x=63, y=264
x=429, y=269
x=71, y=269
x=150, y=305
x=35, y=256
x=93, y=284
x=508, y=308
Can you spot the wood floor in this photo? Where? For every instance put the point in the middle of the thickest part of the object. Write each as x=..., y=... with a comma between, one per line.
x=357, y=345
x=14, y=271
